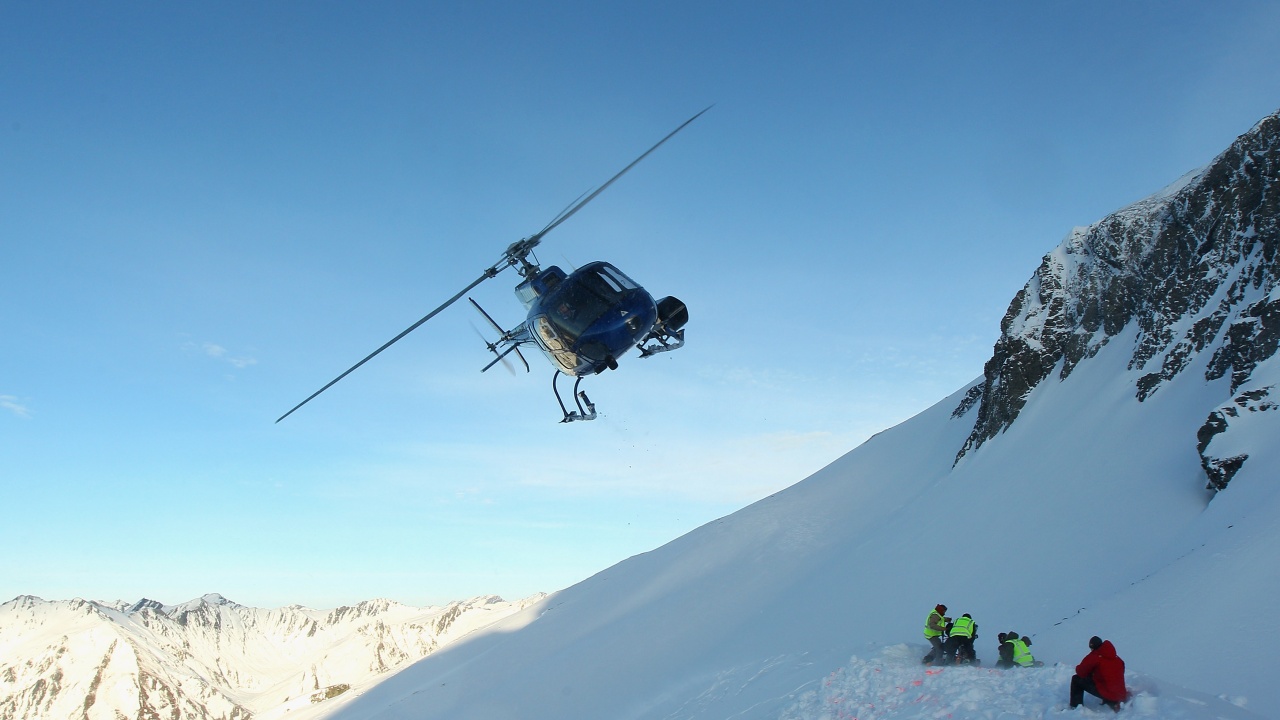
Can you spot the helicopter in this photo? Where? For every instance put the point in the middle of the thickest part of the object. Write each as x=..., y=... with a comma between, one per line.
x=582, y=321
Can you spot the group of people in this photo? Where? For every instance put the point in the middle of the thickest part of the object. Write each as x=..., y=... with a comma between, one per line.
x=1100, y=673
x=952, y=642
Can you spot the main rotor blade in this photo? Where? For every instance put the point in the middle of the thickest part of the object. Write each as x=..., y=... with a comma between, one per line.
x=569, y=212
x=491, y=272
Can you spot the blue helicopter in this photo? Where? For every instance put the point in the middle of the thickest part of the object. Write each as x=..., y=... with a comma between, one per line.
x=583, y=321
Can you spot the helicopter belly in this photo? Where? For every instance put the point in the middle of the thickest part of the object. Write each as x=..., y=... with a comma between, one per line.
x=614, y=335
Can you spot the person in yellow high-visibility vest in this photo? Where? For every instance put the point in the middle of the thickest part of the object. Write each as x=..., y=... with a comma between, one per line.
x=1014, y=651
x=960, y=637
x=1022, y=652
x=935, y=626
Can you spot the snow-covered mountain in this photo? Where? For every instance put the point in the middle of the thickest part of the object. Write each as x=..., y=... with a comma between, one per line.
x=1192, y=270
x=1062, y=495
x=210, y=658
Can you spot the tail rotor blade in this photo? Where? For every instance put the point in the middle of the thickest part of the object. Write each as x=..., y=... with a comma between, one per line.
x=493, y=347
x=502, y=357
x=492, y=323
x=503, y=336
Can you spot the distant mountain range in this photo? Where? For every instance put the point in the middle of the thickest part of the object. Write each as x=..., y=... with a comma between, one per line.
x=211, y=658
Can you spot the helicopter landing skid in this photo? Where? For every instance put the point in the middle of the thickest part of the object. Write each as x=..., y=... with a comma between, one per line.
x=582, y=413
x=665, y=342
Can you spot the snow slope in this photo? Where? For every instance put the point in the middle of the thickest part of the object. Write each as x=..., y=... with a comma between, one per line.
x=1078, y=520
x=893, y=684
x=1062, y=495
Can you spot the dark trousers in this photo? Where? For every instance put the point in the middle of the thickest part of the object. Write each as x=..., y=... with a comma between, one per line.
x=1082, y=685
x=958, y=648
x=936, y=653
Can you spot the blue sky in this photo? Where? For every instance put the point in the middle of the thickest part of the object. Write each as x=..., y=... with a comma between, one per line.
x=209, y=211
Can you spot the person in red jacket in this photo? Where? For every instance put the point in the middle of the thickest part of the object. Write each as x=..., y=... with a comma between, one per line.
x=1100, y=673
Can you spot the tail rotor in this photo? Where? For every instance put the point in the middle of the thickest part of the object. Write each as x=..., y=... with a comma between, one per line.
x=508, y=341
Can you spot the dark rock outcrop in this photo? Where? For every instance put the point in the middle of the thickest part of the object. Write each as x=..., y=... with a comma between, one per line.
x=1190, y=270
x=1220, y=467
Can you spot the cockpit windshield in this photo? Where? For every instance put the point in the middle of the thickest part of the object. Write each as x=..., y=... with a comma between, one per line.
x=585, y=296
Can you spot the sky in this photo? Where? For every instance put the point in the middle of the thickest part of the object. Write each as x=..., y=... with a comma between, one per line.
x=208, y=212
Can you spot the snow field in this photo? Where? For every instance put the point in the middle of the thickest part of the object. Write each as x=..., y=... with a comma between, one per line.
x=894, y=685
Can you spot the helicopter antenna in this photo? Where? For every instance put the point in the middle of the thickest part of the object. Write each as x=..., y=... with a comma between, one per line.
x=516, y=255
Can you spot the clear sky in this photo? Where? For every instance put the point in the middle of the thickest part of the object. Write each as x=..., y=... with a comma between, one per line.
x=207, y=211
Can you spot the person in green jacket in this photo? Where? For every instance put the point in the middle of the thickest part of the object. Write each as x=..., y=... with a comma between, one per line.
x=935, y=626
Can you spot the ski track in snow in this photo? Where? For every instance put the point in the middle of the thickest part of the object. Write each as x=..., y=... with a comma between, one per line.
x=894, y=685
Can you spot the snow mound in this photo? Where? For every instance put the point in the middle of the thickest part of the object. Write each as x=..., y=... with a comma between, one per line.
x=893, y=685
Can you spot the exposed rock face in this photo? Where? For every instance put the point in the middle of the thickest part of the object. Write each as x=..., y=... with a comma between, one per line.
x=1194, y=268
x=1217, y=459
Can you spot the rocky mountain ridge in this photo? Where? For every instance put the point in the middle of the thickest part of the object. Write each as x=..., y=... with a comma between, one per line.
x=211, y=658
x=1190, y=271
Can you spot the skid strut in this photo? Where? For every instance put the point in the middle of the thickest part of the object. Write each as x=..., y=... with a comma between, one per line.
x=580, y=398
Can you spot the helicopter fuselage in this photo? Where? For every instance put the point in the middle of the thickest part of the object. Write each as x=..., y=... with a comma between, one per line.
x=585, y=320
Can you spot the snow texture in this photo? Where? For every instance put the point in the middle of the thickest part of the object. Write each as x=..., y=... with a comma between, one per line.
x=893, y=685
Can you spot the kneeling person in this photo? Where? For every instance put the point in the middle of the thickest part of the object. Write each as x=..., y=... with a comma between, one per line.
x=959, y=647
x=1014, y=651
x=1100, y=673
